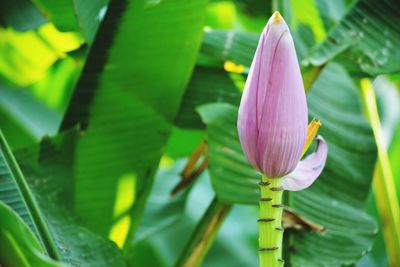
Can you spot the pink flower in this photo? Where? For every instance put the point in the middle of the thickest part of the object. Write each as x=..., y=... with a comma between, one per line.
x=272, y=120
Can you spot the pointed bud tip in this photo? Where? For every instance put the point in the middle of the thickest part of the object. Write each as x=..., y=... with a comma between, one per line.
x=277, y=18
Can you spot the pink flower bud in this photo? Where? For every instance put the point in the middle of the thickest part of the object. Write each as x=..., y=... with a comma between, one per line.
x=272, y=121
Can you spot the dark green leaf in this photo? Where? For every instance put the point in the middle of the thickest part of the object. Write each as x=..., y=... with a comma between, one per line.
x=18, y=245
x=90, y=14
x=22, y=15
x=378, y=254
x=163, y=209
x=16, y=193
x=48, y=169
x=42, y=198
x=182, y=142
x=126, y=100
x=254, y=8
x=61, y=13
x=235, y=46
x=238, y=46
x=207, y=85
x=368, y=35
x=333, y=11
x=164, y=231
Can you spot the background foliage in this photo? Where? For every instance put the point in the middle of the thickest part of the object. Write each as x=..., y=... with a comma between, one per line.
x=119, y=143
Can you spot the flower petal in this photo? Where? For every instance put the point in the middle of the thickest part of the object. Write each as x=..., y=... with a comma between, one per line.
x=253, y=94
x=308, y=170
x=272, y=119
x=283, y=120
x=247, y=116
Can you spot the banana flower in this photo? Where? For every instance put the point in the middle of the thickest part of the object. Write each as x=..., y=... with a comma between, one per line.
x=273, y=132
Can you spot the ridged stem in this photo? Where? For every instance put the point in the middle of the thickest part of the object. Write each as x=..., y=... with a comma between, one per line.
x=270, y=223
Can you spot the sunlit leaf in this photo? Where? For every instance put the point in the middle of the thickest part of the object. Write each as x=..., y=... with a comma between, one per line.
x=126, y=99
x=19, y=66
x=306, y=13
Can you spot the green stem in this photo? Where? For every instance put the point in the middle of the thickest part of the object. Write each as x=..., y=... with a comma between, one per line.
x=204, y=234
x=288, y=236
x=270, y=223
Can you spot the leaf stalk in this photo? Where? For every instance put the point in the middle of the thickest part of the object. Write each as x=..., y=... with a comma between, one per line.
x=270, y=223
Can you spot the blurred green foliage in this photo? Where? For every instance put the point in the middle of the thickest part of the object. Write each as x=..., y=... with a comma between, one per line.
x=103, y=105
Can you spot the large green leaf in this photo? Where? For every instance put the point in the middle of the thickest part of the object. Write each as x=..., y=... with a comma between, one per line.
x=126, y=99
x=238, y=14
x=364, y=40
x=61, y=13
x=16, y=193
x=231, y=45
x=172, y=216
x=305, y=23
x=20, y=136
x=306, y=13
x=332, y=12
x=48, y=169
x=41, y=198
x=378, y=255
x=339, y=193
x=368, y=34
x=182, y=142
x=22, y=65
x=238, y=46
x=22, y=15
x=235, y=46
x=18, y=245
x=158, y=246
x=29, y=114
x=162, y=208
x=163, y=214
x=207, y=85
x=89, y=15
x=54, y=90
x=394, y=155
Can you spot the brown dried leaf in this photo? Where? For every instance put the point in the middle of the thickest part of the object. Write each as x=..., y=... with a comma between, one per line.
x=292, y=220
